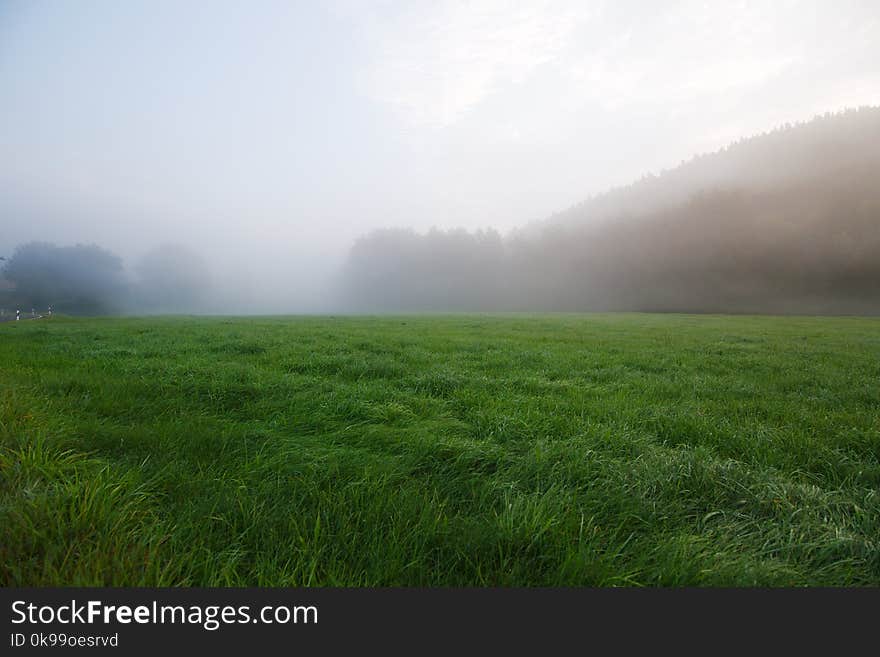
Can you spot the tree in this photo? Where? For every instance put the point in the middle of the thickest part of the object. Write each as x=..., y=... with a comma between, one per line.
x=80, y=279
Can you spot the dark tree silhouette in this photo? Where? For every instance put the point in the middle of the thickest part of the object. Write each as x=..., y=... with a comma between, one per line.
x=81, y=279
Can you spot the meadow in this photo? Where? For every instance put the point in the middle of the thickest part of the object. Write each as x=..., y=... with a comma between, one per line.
x=455, y=450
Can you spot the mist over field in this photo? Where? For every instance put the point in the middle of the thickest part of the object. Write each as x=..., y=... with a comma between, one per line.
x=552, y=293
x=549, y=156
x=784, y=222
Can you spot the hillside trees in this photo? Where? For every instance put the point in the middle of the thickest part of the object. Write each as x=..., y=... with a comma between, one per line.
x=788, y=221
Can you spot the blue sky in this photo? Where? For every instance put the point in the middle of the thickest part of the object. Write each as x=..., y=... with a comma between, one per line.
x=276, y=132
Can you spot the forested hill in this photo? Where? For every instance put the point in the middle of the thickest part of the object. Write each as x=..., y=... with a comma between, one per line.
x=786, y=221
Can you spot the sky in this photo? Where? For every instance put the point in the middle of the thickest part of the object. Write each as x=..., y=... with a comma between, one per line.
x=269, y=135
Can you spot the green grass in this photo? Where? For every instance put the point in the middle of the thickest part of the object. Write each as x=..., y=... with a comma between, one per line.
x=477, y=450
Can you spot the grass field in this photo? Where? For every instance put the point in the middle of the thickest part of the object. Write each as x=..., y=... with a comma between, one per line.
x=457, y=450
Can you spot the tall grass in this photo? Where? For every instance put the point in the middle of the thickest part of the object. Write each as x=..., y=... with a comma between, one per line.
x=591, y=450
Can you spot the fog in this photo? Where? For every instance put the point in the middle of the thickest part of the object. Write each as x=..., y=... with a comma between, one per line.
x=278, y=157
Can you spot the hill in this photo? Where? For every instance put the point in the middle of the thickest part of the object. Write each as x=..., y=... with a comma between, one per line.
x=787, y=221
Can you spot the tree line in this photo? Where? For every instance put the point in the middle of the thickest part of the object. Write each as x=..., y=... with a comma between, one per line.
x=86, y=279
x=787, y=221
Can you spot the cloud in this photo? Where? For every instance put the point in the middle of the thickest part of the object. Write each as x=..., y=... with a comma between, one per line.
x=434, y=63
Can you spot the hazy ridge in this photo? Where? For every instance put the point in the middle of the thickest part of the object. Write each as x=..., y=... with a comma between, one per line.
x=785, y=221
